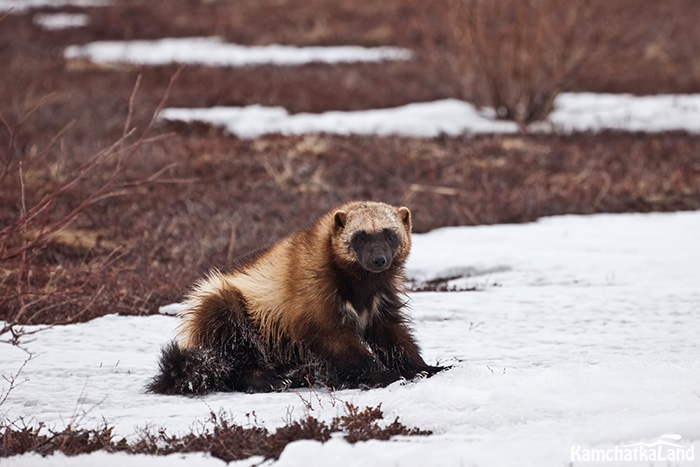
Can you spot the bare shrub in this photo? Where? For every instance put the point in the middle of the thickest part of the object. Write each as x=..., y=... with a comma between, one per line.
x=527, y=51
x=34, y=219
x=517, y=55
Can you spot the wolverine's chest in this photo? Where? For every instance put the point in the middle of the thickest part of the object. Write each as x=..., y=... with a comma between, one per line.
x=361, y=314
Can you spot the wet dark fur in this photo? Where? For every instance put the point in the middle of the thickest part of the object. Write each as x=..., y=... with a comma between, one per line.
x=332, y=349
x=234, y=358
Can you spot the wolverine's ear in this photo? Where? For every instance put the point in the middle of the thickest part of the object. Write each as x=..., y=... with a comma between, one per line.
x=339, y=219
x=405, y=216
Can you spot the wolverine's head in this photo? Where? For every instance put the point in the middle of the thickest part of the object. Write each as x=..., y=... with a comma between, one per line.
x=373, y=235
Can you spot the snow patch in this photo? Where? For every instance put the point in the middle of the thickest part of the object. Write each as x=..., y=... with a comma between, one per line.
x=172, y=309
x=573, y=112
x=213, y=51
x=594, y=112
x=55, y=21
x=20, y=6
x=426, y=120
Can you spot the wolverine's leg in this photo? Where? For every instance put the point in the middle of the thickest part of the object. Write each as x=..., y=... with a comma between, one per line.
x=349, y=363
x=394, y=345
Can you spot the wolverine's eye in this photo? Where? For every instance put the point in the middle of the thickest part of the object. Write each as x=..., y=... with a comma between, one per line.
x=390, y=235
x=359, y=239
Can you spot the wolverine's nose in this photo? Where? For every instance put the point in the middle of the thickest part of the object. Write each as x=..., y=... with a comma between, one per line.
x=379, y=261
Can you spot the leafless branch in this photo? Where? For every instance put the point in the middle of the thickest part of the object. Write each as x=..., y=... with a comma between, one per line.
x=34, y=227
x=12, y=380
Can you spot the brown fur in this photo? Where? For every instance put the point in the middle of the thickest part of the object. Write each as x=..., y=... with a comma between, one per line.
x=320, y=303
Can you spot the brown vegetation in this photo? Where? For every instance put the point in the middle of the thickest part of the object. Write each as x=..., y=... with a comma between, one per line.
x=225, y=439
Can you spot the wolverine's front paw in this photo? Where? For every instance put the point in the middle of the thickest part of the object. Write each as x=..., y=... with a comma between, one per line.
x=281, y=385
x=380, y=379
x=425, y=372
x=261, y=380
x=432, y=370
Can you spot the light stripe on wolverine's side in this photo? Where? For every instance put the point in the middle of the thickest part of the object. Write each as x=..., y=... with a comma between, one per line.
x=324, y=305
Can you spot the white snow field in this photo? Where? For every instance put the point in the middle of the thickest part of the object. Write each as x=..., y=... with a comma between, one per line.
x=573, y=112
x=213, y=51
x=582, y=339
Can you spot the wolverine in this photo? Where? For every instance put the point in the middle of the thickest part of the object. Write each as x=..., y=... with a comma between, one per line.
x=325, y=305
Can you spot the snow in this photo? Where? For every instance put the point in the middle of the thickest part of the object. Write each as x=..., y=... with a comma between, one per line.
x=56, y=21
x=583, y=334
x=21, y=6
x=589, y=111
x=573, y=112
x=213, y=51
x=422, y=119
x=106, y=460
x=172, y=309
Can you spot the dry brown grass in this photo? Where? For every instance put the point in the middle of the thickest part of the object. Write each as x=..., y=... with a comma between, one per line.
x=220, y=437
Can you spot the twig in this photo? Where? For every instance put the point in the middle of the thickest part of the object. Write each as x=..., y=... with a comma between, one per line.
x=7, y=13
x=163, y=100
x=127, y=123
x=13, y=380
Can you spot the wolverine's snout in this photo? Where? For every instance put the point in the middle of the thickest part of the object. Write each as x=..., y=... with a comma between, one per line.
x=377, y=258
x=375, y=251
x=379, y=261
